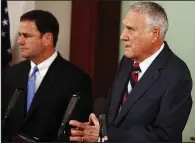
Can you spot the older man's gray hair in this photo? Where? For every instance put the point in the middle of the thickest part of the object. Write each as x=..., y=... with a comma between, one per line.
x=156, y=15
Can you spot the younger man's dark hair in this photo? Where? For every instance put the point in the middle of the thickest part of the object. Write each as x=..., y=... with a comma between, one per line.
x=45, y=22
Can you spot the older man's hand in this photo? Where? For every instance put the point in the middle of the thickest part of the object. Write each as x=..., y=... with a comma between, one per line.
x=85, y=132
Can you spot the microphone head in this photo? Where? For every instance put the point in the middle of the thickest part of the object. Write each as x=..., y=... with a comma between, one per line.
x=17, y=93
x=100, y=106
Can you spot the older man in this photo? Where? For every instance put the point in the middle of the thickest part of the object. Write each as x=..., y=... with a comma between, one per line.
x=150, y=99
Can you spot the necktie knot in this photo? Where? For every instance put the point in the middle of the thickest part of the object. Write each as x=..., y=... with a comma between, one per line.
x=35, y=69
x=136, y=68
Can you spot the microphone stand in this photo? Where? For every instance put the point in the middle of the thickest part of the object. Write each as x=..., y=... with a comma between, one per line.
x=4, y=125
x=101, y=139
x=8, y=112
x=102, y=132
x=4, y=131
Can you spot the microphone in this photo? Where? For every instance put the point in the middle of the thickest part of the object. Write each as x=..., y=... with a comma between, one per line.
x=101, y=110
x=68, y=113
x=18, y=92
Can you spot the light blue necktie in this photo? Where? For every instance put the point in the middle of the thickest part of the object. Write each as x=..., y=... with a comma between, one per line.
x=31, y=87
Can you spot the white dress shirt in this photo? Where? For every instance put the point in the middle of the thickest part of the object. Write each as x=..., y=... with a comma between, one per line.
x=42, y=69
x=145, y=64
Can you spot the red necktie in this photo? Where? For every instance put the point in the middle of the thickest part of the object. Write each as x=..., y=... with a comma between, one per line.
x=133, y=79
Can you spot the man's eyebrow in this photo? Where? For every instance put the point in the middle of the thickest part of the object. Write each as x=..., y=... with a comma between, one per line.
x=129, y=27
x=20, y=33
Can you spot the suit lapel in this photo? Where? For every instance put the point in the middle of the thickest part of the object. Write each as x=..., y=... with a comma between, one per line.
x=137, y=92
x=119, y=91
x=45, y=87
x=149, y=78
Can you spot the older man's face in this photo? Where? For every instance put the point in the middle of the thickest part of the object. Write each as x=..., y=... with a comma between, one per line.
x=137, y=36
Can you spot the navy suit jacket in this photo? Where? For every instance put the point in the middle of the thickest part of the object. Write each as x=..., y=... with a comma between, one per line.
x=157, y=108
x=43, y=120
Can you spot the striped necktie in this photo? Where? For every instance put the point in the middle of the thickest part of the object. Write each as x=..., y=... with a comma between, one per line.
x=133, y=79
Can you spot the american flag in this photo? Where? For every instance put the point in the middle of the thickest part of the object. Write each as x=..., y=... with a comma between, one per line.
x=6, y=53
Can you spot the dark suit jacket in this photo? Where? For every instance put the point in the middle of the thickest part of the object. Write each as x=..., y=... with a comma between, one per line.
x=158, y=107
x=43, y=120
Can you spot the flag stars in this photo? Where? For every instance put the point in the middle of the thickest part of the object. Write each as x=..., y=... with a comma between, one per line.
x=5, y=22
x=6, y=10
x=3, y=34
x=9, y=51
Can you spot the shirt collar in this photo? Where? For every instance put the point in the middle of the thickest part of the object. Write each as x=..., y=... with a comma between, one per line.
x=43, y=67
x=147, y=62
